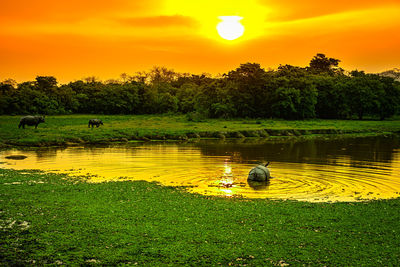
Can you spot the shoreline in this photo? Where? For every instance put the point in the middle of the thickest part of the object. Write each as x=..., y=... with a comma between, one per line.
x=72, y=130
x=185, y=139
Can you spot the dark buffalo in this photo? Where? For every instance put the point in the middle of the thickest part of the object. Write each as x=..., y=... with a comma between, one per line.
x=259, y=174
x=30, y=121
x=94, y=122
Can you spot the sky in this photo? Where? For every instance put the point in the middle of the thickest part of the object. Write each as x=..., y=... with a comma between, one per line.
x=73, y=39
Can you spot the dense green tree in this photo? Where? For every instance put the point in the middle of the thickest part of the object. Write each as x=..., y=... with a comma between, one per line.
x=287, y=100
x=321, y=90
x=295, y=98
x=186, y=96
x=248, y=90
x=387, y=96
x=166, y=102
x=332, y=102
x=67, y=97
x=162, y=75
x=322, y=64
x=290, y=71
x=360, y=92
x=46, y=84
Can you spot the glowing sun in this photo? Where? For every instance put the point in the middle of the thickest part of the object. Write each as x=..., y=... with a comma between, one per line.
x=230, y=27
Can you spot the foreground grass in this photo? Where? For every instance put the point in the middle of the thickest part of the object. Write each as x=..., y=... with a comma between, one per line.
x=60, y=130
x=46, y=219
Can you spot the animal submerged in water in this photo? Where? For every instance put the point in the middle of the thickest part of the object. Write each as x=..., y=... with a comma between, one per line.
x=259, y=173
x=30, y=121
x=94, y=122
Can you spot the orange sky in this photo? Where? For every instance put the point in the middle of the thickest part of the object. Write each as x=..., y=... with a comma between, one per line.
x=72, y=39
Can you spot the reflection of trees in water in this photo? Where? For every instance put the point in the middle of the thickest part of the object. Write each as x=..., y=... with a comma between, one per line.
x=48, y=152
x=51, y=152
x=374, y=149
x=134, y=149
x=310, y=151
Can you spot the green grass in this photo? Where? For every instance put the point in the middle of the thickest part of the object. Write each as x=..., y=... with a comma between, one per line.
x=48, y=219
x=59, y=130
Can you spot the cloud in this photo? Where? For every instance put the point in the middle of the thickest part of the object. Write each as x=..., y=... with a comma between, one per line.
x=338, y=23
x=159, y=21
x=287, y=10
x=28, y=11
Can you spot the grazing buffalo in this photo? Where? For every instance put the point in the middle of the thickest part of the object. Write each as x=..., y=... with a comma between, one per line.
x=94, y=122
x=30, y=120
x=259, y=173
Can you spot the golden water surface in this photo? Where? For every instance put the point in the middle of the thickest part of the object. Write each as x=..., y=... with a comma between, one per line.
x=340, y=170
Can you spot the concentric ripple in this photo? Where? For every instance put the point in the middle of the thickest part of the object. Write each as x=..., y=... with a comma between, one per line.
x=341, y=172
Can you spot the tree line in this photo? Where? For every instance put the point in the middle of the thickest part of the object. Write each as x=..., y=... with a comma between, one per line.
x=320, y=90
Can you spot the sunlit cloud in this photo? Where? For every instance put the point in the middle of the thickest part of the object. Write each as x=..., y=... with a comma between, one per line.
x=28, y=11
x=159, y=21
x=339, y=22
x=288, y=10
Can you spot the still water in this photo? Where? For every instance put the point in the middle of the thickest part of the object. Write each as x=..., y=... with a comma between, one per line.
x=316, y=170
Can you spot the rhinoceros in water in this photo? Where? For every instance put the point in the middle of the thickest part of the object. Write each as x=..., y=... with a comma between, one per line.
x=94, y=122
x=30, y=121
x=259, y=173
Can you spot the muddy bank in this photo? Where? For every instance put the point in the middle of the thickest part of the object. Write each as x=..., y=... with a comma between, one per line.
x=263, y=133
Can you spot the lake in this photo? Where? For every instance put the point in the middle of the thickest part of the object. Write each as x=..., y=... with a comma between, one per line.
x=312, y=170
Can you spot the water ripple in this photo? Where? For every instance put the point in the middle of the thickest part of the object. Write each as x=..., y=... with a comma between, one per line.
x=335, y=175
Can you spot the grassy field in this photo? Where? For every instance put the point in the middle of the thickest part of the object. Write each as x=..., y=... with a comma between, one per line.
x=47, y=219
x=61, y=130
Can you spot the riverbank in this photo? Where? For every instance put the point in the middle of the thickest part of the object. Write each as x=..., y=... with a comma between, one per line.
x=51, y=219
x=73, y=129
